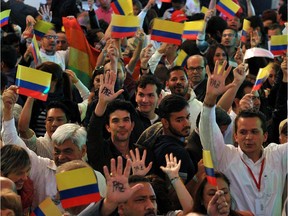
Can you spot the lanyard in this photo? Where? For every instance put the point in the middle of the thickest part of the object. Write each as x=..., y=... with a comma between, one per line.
x=258, y=184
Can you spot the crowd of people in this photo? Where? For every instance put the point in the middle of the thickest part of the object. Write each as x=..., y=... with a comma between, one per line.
x=143, y=122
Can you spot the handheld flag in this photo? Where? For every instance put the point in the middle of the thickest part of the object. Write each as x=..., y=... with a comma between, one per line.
x=82, y=56
x=191, y=29
x=35, y=50
x=262, y=76
x=227, y=7
x=204, y=9
x=209, y=169
x=167, y=31
x=4, y=16
x=279, y=44
x=181, y=58
x=124, y=26
x=32, y=82
x=41, y=28
x=245, y=29
x=122, y=7
x=77, y=187
x=46, y=208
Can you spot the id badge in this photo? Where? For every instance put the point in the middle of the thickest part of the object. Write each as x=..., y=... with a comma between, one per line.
x=259, y=206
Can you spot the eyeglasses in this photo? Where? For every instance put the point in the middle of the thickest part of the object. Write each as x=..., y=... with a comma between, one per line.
x=229, y=35
x=49, y=37
x=61, y=41
x=198, y=69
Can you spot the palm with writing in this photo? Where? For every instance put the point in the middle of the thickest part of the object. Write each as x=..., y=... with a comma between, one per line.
x=106, y=90
x=216, y=81
x=138, y=164
x=172, y=167
x=118, y=189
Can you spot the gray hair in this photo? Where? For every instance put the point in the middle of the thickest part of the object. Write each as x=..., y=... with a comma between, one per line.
x=70, y=131
x=71, y=165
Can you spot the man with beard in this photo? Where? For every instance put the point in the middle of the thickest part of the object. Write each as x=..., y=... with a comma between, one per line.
x=48, y=50
x=177, y=82
x=230, y=41
x=175, y=117
x=69, y=144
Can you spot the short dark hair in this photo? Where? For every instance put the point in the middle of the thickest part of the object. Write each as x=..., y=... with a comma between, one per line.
x=149, y=79
x=120, y=104
x=175, y=68
x=170, y=104
x=283, y=11
x=9, y=56
x=251, y=114
x=70, y=108
x=134, y=179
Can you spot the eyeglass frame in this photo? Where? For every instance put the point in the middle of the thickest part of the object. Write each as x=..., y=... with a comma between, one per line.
x=49, y=37
x=198, y=69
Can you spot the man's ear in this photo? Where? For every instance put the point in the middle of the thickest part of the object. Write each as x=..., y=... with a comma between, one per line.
x=84, y=150
x=107, y=128
x=165, y=123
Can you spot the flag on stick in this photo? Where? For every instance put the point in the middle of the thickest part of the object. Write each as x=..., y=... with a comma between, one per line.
x=4, y=16
x=262, y=76
x=209, y=168
x=191, y=29
x=227, y=7
x=33, y=83
x=77, y=187
x=122, y=7
x=167, y=31
x=181, y=58
x=245, y=29
x=124, y=26
x=46, y=208
x=41, y=28
x=279, y=44
x=35, y=50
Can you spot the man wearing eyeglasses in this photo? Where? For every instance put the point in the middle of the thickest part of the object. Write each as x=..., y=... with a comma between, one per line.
x=196, y=75
x=48, y=50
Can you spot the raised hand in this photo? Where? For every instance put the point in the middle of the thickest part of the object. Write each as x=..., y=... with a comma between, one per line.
x=45, y=13
x=138, y=164
x=218, y=205
x=118, y=189
x=216, y=83
x=239, y=56
x=9, y=98
x=240, y=73
x=172, y=167
x=72, y=76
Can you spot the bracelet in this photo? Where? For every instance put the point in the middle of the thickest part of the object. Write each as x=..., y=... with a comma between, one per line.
x=174, y=179
x=208, y=105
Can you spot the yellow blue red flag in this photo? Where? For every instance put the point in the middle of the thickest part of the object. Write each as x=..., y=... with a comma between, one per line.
x=262, y=76
x=41, y=28
x=279, y=44
x=122, y=7
x=209, y=168
x=33, y=83
x=245, y=29
x=228, y=8
x=35, y=51
x=167, y=31
x=181, y=58
x=46, y=208
x=124, y=26
x=191, y=29
x=4, y=16
x=77, y=187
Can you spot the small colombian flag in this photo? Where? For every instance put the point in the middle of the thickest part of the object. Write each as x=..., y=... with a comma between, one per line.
x=33, y=83
x=228, y=8
x=46, y=208
x=204, y=9
x=4, y=16
x=77, y=187
x=124, y=26
x=167, y=31
x=122, y=7
x=35, y=50
x=262, y=76
x=209, y=168
x=245, y=29
x=181, y=58
x=41, y=28
x=191, y=29
x=279, y=44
